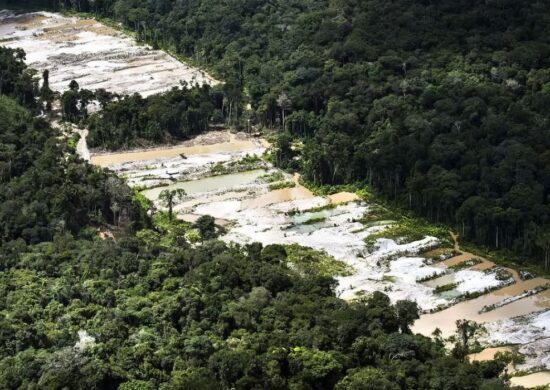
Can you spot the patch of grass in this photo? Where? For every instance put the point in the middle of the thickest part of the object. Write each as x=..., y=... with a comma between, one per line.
x=466, y=264
x=388, y=278
x=307, y=261
x=247, y=163
x=219, y=169
x=248, y=159
x=282, y=184
x=378, y=213
x=445, y=287
x=502, y=274
x=316, y=209
x=407, y=230
x=440, y=254
x=313, y=221
x=272, y=177
x=328, y=189
x=507, y=258
x=433, y=276
x=149, y=177
x=72, y=140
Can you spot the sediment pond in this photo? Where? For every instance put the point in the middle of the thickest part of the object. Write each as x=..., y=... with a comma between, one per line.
x=253, y=212
x=99, y=57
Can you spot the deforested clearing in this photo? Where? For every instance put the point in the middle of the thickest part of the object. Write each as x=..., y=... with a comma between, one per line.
x=95, y=55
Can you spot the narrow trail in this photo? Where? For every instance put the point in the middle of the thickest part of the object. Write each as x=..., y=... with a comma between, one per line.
x=82, y=145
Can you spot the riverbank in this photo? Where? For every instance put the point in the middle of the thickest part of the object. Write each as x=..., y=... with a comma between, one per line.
x=213, y=141
x=382, y=249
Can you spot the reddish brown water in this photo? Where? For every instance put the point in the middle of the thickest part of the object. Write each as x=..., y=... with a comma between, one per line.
x=445, y=320
x=343, y=197
x=277, y=196
x=488, y=353
x=532, y=380
x=119, y=158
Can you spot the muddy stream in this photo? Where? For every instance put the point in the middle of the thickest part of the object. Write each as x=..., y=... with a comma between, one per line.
x=515, y=311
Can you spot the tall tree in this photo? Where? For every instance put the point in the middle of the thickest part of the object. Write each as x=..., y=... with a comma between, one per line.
x=169, y=197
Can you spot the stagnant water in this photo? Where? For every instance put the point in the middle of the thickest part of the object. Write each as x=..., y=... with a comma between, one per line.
x=277, y=196
x=257, y=213
x=209, y=184
x=445, y=319
x=488, y=353
x=108, y=159
x=260, y=215
x=532, y=380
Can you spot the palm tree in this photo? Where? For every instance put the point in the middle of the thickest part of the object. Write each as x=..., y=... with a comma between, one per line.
x=169, y=197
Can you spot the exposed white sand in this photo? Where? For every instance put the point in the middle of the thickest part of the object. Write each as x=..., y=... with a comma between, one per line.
x=94, y=55
x=475, y=281
x=390, y=267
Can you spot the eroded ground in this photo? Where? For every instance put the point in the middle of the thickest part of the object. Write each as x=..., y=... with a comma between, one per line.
x=224, y=176
x=95, y=55
x=514, y=310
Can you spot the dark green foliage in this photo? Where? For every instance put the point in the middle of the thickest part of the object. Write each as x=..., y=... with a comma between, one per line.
x=147, y=311
x=16, y=80
x=44, y=188
x=440, y=105
x=202, y=318
x=133, y=120
x=206, y=225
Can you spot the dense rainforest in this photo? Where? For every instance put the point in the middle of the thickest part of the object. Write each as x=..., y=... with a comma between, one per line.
x=441, y=106
x=148, y=310
x=137, y=121
x=118, y=122
x=44, y=188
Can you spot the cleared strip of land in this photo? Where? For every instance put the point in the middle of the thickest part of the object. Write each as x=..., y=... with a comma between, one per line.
x=95, y=55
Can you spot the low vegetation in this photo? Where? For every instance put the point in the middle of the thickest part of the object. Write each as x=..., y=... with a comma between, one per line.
x=465, y=264
x=313, y=221
x=247, y=163
x=328, y=206
x=164, y=305
x=272, y=177
x=312, y=262
x=442, y=110
x=407, y=230
x=433, y=276
x=282, y=184
x=440, y=254
x=444, y=288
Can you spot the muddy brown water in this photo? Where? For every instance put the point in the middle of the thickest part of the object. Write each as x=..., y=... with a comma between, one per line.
x=154, y=154
x=445, y=320
x=488, y=354
x=277, y=196
x=532, y=380
x=343, y=197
